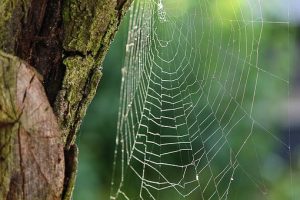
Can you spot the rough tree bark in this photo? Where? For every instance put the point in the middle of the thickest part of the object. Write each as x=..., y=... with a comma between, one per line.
x=50, y=57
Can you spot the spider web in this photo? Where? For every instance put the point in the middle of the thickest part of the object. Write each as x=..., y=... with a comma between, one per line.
x=195, y=100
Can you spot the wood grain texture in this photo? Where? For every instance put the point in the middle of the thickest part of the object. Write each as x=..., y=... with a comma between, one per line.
x=66, y=42
x=29, y=134
x=89, y=28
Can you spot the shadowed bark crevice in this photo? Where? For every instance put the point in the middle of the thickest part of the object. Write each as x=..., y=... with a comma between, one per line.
x=40, y=43
x=49, y=74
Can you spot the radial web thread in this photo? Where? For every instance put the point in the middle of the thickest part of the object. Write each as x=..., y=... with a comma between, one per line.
x=194, y=102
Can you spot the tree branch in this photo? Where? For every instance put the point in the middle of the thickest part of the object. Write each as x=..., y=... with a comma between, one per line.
x=41, y=107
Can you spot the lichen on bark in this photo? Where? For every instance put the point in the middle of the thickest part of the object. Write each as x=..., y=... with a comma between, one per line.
x=79, y=87
x=89, y=28
x=65, y=43
x=12, y=13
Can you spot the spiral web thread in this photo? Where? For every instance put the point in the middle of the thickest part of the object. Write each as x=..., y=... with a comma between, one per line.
x=190, y=119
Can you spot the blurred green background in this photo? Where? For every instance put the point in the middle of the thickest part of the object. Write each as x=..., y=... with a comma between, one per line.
x=96, y=138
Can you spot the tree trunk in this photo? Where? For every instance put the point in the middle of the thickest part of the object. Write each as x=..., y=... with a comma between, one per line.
x=50, y=58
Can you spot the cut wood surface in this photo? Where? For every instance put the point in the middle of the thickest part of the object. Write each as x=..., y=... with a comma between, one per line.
x=50, y=58
x=32, y=156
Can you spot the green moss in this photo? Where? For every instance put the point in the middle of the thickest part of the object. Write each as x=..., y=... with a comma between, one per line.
x=11, y=13
x=77, y=73
x=89, y=29
x=8, y=63
x=8, y=119
x=87, y=23
x=79, y=87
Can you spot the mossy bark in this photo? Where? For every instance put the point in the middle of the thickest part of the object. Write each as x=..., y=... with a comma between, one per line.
x=50, y=58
